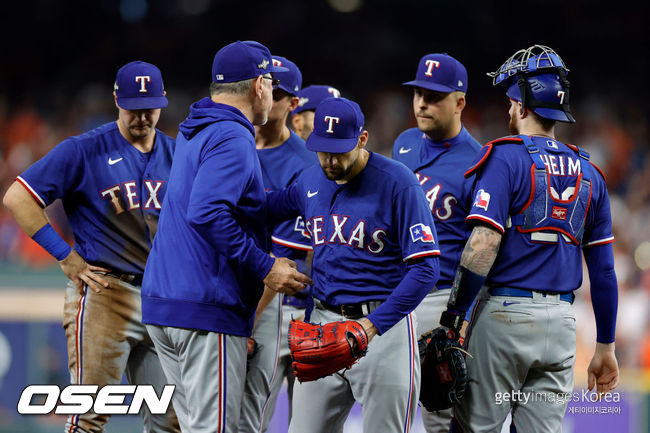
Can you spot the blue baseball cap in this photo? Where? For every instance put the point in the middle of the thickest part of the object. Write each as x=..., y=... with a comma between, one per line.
x=338, y=123
x=290, y=81
x=311, y=96
x=139, y=86
x=241, y=61
x=440, y=73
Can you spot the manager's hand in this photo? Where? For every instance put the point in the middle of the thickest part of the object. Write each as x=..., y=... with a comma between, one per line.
x=285, y=278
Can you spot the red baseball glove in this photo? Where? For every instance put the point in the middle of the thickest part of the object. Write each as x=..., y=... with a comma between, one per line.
x=320, y=350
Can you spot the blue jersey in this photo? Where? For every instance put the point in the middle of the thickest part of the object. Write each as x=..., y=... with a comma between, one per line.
x=439, y=167
x=503, y=192
x=112, y=193
x=281, y=166
x=364, y=231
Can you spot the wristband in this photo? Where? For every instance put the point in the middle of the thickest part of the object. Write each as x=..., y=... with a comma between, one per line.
x=466, y=286
x=50, y=240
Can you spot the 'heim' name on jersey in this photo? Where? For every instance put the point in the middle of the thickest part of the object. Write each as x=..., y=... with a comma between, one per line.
x=561, y=165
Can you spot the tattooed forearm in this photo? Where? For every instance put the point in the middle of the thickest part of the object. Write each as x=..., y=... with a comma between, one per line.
x=481, y=250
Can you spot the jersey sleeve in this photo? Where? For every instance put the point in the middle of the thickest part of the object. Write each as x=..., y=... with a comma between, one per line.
x=292, y=234
x=599, y=217
x=54, y=175
x=416, y=232
x=491, y=192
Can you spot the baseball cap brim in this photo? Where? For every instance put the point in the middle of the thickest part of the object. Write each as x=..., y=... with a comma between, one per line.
x=316, y=143
x=142, y=103
x=287, y=89
x=428, y=85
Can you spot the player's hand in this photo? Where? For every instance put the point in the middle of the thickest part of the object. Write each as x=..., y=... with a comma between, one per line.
x=368, y=326
x=81, y=273
x=603, y=369
x=285, y=278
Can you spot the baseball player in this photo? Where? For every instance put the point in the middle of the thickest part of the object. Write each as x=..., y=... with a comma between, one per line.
x=539, y=204
x=282, y=156
x=375, y=258
x=204, y=276
x=112, y=181
x=439, y=151
x=295, y=243
x=302, y=118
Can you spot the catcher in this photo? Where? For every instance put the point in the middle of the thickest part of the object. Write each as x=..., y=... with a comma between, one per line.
x=375, y=258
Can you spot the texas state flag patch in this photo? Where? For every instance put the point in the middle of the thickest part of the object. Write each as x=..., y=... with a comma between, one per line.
x=482, y=199
x=420, y=232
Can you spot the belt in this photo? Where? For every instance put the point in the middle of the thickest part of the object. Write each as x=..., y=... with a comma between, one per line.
x=523, y=293
x=133, y=279
x=350, y=311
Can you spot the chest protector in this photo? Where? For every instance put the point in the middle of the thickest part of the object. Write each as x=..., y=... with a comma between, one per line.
x=546, y=210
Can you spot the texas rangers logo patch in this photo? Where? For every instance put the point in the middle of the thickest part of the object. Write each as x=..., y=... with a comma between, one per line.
x=482, y=199
x=420, y=232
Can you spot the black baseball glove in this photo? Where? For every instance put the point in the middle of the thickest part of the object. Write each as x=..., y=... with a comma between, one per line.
x=444, y=372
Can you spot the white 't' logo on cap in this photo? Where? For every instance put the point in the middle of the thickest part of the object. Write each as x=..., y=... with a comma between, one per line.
x=335, y=93
x=430, y=65
x=331, y=121
x=143, y=80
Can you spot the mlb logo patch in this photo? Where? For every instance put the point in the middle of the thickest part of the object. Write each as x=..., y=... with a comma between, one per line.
x=420, y=232
x=558, y=213
x=482, y=199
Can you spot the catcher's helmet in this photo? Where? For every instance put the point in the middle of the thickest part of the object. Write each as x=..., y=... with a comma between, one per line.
x=536, y=77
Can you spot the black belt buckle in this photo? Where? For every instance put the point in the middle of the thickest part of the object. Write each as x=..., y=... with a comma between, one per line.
x=354, y=311
x=350, y=311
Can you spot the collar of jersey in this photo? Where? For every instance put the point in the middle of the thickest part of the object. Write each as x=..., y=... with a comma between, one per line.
x=447, y=143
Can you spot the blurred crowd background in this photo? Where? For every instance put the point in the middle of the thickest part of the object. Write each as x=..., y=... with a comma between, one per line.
x=59, y=60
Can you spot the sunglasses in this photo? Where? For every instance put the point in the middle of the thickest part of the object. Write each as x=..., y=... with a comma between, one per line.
x=274, y=81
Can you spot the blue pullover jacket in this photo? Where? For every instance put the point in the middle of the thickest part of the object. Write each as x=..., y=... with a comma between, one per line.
x=209, y=257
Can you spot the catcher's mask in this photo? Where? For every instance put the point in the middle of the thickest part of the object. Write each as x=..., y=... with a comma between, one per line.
x=536, y=77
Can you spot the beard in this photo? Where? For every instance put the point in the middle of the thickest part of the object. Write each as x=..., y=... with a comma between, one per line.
x=513, y=127
x=337, y=173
